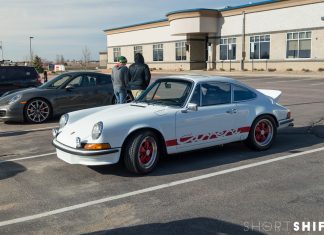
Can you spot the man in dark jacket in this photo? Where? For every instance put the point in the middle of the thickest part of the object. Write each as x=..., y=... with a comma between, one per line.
x=140, y=75
x=120, y=78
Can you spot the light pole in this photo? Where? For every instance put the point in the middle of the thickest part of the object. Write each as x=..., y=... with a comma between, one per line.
x=30, y=50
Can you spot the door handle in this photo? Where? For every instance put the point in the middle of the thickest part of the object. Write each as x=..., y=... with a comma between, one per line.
x=231, y=111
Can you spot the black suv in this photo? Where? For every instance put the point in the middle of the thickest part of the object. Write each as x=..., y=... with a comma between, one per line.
x=17, y=77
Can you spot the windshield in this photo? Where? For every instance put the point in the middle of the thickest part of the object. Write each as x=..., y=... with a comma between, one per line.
x=56, y=82
x=170, y=93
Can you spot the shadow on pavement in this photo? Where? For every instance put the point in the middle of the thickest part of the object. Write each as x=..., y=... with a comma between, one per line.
x=288, y=141
x=195, y=226
x=10, y=169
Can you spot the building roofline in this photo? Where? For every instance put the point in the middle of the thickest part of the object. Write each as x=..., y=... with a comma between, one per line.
x=228, y=8
x=225, y=9
x=191, y=10
x=138, y=24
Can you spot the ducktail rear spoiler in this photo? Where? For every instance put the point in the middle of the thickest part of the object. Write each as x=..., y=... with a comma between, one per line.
x=274, y=94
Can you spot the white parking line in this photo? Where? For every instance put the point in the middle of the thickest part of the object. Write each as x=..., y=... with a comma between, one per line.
x=30, y=130
x=154, y=188
x=24, y=158
x=315, y=84
x=290, y=80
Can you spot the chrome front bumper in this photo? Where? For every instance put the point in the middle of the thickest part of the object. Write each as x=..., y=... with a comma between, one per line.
x=286, y=123
x=82, y=152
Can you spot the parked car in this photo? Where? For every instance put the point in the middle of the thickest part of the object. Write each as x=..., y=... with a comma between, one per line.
x=173, y=115
x=65, y=93
x=18, y=77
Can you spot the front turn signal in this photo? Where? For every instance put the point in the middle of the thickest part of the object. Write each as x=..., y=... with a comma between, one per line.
x=97, y=146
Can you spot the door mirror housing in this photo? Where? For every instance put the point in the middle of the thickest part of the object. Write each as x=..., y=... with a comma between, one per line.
x=191, y=107
x=69, y=87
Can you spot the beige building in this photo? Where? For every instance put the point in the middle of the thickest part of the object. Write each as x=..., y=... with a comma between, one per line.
x=103, y=59
x=269, y=35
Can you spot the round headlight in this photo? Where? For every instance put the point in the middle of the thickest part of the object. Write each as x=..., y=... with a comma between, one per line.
x=63, y=120
x=14, y=99
x=97, y=130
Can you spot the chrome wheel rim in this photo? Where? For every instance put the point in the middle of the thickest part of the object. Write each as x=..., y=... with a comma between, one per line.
x=37, y=111
x=263, y=132
x=147, y=152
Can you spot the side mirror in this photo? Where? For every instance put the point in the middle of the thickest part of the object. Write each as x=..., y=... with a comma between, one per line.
x=69, y=87
x=191, y=107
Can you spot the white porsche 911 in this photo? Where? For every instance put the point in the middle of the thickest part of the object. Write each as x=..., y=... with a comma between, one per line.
x=175, y=114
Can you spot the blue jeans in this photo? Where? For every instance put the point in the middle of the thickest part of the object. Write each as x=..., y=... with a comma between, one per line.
x=120, y=96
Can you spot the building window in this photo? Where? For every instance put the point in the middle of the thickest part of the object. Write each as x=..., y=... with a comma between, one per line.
x=158, y=52
x=228, y=49
x=138, y=49
x=299, y=44
x=260, y=47
x=181, y=51
x=116, y=51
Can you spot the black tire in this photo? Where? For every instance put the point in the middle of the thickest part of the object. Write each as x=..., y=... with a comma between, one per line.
x=142, y=152
x=262, y=133
x=37, y=111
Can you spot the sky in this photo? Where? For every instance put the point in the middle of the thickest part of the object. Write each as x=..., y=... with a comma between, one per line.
x=66, y=27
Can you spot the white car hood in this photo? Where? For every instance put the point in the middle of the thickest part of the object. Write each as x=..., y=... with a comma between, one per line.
x=109, y=115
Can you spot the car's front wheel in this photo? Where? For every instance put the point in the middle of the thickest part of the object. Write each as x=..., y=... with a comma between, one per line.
x=37, y=111
x=142, y=152
x=262, y=133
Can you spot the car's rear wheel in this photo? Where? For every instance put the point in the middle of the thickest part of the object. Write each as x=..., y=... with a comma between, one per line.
x=37, y=111
x=262, y=133
x=142, y=152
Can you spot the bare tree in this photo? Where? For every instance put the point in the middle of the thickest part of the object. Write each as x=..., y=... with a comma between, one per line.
x=60, y=59
x=86, y=56
x=57, y=61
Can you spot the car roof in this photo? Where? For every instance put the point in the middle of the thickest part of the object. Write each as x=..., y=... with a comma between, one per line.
x=83, y=72
x=203, y=78
x=16, y=67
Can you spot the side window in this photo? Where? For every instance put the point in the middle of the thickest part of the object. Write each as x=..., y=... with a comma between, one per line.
x=80, y=81
x=3, y=74
x=103, y=80
x=15, y=74
x=92, y=80
x=31, y=73
x=62, y=79
x=215, y=93
x=241, y=94
x=195, y=99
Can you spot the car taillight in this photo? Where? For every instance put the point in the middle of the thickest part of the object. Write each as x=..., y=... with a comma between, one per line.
x=39, y=79
x=288, y=115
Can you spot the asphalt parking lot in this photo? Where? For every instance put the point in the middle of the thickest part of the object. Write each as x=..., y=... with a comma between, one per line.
x=224, y=190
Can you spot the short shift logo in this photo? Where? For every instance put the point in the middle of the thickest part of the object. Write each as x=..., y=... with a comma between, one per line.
x=284, y=226
x=308, y=226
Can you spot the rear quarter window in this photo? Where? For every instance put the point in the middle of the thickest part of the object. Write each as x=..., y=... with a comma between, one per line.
x=16, y=73
x=243, y=94
x=103, y=80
